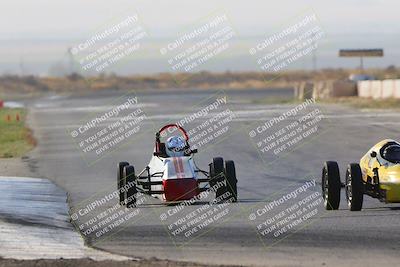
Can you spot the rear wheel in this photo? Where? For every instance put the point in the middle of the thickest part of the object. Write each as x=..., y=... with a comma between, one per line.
x=354, y=187
x=331, y=185
x=130, y=180
x=121, y=181
x=231, y=181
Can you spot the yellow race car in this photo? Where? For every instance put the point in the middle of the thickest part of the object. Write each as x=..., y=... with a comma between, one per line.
x=377, y=175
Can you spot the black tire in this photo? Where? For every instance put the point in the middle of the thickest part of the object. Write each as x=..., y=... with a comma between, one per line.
x=331, y=185
x=216, y=170
x=121, y=181
x=130, y=179
x=231, y=181
x=354, y=187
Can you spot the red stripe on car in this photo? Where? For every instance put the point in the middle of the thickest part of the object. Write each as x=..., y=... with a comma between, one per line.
x=176, y=166
x=181, y=167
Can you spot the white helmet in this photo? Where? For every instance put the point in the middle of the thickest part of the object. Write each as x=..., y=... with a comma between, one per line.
x=175, y=146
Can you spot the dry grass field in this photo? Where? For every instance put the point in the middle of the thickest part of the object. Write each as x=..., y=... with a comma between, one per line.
x=200, y=80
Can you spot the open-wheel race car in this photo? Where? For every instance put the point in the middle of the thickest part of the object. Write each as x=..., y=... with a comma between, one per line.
x=172, y=174
x=377, y=175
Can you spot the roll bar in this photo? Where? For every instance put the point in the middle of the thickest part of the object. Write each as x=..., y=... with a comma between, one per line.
x=183, y=132
x=188, y=151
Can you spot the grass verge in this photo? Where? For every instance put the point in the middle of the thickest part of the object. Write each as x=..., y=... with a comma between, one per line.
x=15, y=138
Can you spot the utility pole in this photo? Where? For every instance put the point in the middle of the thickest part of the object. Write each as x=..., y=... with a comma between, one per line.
x=314, y=54
x=21, y=66
x=70, y=60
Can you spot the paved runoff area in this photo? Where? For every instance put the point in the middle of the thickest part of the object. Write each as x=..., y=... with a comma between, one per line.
x=34, y=223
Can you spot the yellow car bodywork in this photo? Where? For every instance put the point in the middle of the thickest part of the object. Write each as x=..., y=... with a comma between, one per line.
x=378, y=171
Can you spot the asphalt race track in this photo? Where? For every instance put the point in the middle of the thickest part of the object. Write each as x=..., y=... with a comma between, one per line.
x=234, y=236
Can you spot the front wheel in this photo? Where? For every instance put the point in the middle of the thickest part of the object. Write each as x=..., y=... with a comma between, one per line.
x=121, y=181
x=354, y=187
x=331, y=185
x=130, y=185
x=216, y=171
x=231, y=181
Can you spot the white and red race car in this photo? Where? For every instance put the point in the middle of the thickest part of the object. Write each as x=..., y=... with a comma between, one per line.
x=172, y=174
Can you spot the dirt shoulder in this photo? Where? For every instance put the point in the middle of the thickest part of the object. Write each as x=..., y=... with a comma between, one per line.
x=15, y=167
